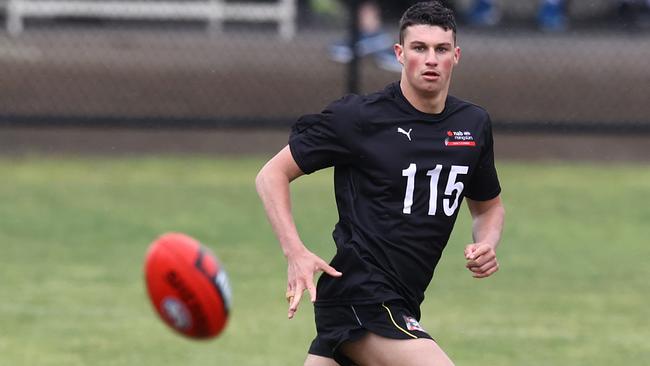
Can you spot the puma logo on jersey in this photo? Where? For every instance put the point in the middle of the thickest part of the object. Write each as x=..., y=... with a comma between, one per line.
x=408, y=134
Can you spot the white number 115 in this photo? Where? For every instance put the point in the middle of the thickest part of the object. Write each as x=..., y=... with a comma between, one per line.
x=453, y=188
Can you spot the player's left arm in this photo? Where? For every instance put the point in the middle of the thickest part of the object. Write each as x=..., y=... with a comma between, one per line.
x=487, y=218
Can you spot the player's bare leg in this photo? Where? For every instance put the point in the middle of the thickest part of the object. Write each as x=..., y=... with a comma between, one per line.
x=373, y=350
x=313, y=360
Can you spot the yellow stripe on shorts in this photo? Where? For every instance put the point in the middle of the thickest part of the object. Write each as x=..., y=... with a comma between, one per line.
x=395, y=324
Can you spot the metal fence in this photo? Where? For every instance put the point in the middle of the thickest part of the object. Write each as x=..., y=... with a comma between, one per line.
x=262, y=63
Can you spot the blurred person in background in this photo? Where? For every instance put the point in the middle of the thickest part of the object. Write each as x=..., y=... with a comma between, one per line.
x=372, y=36
x=551, y=15
x=635, y=13
x=404, y=159
x=373, y=39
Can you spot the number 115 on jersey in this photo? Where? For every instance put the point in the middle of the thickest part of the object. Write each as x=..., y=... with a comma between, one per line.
x=453, y=188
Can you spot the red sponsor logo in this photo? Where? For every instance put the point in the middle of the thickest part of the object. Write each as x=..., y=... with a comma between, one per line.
x=460, y=143
x=459, y=138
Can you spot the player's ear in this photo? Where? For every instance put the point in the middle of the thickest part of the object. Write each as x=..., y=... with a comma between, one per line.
x=456, y=55
x=399, y=52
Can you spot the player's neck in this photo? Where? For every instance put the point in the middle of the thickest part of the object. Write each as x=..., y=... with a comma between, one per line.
x=432, y=103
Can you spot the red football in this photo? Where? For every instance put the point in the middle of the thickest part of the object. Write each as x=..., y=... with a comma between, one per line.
x=187, y=286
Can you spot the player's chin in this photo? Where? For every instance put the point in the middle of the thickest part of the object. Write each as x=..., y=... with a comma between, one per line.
x=430, y=88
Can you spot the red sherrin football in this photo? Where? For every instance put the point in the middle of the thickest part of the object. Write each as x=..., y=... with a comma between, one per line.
x=187, y=286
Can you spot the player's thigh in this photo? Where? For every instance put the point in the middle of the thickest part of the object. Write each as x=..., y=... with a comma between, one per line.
x=374, y=350
x=313, y=360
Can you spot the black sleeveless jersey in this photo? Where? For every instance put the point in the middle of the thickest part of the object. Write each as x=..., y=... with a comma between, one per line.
x=400, y=176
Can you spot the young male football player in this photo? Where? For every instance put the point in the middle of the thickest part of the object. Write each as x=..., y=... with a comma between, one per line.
x=404, y=158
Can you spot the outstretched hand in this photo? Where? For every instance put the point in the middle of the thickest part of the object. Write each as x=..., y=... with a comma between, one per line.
x=481, y=260
x=300, y=277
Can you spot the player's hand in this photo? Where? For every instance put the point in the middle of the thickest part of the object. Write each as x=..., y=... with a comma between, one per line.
x=481, y=260
x=302, y=266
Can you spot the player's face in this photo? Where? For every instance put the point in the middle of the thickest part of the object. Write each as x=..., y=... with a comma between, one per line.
x=428, y=55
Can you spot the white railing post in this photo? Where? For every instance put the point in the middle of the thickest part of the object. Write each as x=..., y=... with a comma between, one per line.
x=215, y=19
x=287, y=23
x=14, y=18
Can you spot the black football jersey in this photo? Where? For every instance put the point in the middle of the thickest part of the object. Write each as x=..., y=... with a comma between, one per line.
x=400, y=176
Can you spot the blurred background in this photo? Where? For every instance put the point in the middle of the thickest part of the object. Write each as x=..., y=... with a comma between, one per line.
x=124, y=119
x=576, y=67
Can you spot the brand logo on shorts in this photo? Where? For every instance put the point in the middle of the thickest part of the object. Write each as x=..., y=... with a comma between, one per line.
x=412, y=324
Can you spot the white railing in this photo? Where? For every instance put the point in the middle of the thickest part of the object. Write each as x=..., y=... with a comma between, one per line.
x=214, y=11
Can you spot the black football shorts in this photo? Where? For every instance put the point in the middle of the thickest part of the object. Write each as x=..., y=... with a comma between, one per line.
x=338, y=324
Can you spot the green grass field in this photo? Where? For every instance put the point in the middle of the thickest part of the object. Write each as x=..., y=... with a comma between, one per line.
x=572, y=290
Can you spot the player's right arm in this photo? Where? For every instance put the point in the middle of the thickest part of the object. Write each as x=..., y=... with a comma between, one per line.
x=272, y=185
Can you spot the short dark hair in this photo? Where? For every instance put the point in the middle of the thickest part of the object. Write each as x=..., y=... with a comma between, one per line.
x=427, y=13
